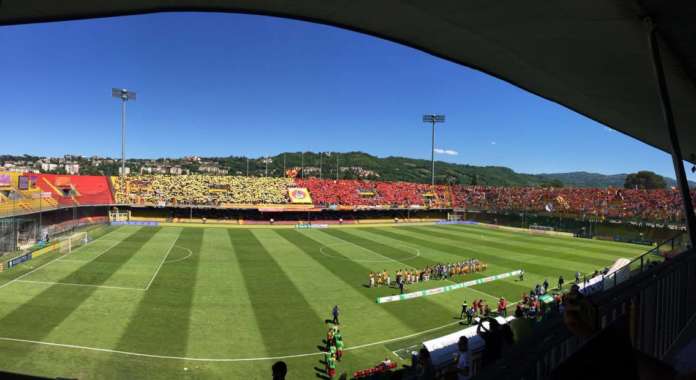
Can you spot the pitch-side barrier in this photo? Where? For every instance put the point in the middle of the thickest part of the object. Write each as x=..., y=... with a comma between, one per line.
x=448, y=288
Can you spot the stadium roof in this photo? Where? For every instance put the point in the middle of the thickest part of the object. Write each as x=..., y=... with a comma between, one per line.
x=591, y=56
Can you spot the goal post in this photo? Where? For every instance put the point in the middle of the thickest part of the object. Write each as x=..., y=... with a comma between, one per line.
x=71, y=242
x=456, y=215
x=119, y=216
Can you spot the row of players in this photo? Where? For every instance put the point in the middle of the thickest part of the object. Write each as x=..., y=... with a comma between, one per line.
x=437, y=272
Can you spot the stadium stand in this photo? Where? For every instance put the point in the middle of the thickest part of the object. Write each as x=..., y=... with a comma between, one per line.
x=19, y=195
x=225, y=191
x=654, y=205
x=375, y=193
x=45, y=191
x=69, y=190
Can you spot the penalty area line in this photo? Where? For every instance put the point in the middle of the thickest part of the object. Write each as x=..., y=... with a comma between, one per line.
x=127, y=353
x=161, y=263
x=59, y=258
x=76, y=284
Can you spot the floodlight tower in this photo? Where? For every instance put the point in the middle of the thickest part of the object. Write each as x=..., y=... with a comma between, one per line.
x=125, y=96
x=433, y=119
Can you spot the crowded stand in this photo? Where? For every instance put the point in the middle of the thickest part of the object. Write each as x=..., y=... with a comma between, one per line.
x=375, y=193
x=27, y=192
x=658, y=205
x=206, y=190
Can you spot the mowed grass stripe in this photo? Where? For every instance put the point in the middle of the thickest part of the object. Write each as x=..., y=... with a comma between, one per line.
x=282, y=313
x=222, y=318
x=391, y=252
x=100, y=269
x=468, y=249
x=160, y=323
x=525, y=255
x=567, y=251
x=519, y=246
x=448, y=303
x=428, y=250
x=505, y=288
x=597, y=246
x=323, y=289
x=37, y=317
x=34, y=265
x=510, y=288
x=355, y=275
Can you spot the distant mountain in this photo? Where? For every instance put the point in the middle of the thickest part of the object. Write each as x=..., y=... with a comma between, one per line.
x=585, y=179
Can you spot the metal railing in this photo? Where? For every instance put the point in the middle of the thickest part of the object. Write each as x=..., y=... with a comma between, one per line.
x=658, y=299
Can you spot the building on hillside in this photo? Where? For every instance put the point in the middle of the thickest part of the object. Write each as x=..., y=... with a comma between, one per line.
x=47, y=166
x=214, y=170
x=176, y=170
x=72, y=168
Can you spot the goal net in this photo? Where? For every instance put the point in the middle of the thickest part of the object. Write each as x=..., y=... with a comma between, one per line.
x=118, y=216
x=68, y=243
x=456, y=215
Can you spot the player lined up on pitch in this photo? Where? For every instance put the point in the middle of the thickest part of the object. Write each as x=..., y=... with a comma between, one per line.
x=434, y=272
x=333, y=351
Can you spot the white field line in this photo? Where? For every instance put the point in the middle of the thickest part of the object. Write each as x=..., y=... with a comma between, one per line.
x=76, y=284
x=216, y=359
x=53, y=261
x=181, y=259
x=417, y=252
x=162, y=262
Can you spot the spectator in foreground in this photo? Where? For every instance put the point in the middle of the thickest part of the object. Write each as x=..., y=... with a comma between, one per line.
x=425, y=369
x=280, y=369
x=463, y=364
x=493, y=336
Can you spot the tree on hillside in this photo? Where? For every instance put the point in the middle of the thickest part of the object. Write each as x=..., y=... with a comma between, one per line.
x=644, y=180
x=552, y=183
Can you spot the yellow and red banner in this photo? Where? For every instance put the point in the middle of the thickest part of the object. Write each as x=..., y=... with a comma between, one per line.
x=299, y=195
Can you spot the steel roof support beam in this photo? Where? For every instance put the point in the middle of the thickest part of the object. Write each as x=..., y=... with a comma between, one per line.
x=666, y=105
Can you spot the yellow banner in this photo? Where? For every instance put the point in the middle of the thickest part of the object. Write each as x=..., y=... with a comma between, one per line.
x=299, y=195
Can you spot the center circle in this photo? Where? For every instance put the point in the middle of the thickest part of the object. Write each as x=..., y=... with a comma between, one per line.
x=354, y=252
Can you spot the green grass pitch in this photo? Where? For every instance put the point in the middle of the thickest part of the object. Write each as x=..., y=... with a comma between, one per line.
x=194, y=303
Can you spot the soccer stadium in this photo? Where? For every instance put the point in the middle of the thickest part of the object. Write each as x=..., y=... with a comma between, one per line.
x=224, y=274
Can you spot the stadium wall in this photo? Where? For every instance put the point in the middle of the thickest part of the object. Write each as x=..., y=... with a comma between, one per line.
x=588, y=227
x=256, y=216
x=20, y=232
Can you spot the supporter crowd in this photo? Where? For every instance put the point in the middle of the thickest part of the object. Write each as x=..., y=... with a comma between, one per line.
x=203, y=190
x=662, y=205
x=374, y=193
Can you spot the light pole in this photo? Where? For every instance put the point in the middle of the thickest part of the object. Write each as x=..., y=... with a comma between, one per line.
x=321, y=158
x=433, y=119
x=125, y=96
x=302, y=164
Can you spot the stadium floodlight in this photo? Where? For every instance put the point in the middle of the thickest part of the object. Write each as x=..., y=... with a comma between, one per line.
x=125, y=96
x=432, y=119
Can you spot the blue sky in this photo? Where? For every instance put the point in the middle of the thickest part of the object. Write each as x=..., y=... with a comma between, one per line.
x=224, y=84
